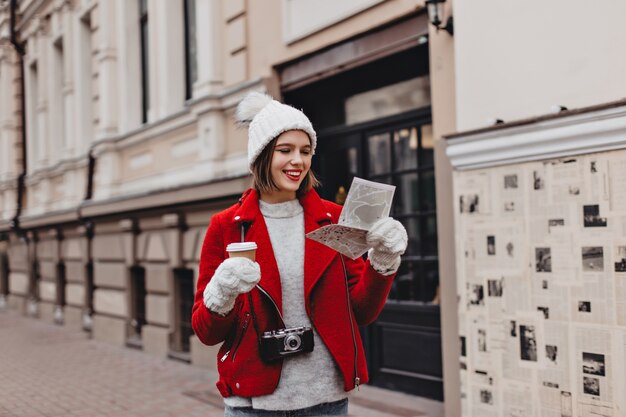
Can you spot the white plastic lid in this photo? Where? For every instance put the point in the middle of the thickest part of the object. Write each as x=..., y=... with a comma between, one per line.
x=241, y=246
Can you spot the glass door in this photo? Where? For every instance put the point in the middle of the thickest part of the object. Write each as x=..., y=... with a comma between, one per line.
x=403, y=347
x=337, y=163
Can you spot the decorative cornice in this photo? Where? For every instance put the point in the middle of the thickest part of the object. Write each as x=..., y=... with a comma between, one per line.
x=571, y=134
x=157, y=199
x=59, y=168
x=218, y=101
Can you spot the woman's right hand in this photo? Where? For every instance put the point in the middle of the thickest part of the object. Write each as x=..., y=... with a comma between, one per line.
x=234, y=276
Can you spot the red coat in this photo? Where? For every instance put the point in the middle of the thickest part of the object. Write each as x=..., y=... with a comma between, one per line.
x=241, y=370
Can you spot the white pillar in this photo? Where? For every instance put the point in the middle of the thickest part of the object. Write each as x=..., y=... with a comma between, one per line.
x=107, y=61
x=43, y=135
x=153, y=63
x=53, y=71
x=129, y=68
x=69, y=95
x=209, y=46
x=167, y=58
x=82, y=61
x=8, y=84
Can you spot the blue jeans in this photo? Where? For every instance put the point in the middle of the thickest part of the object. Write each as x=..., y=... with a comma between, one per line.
x=337, y=408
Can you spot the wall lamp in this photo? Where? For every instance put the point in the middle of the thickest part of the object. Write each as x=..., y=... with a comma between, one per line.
x=435, y=15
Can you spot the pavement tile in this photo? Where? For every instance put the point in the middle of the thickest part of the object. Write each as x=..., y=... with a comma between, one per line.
x=52, y=371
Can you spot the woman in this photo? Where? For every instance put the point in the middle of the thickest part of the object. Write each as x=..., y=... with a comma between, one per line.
x=295, y=283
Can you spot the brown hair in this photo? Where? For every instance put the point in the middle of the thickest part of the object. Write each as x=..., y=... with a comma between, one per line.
x=262, y=179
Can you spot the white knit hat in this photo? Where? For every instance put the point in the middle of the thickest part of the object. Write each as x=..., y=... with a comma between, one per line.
x=266, y=119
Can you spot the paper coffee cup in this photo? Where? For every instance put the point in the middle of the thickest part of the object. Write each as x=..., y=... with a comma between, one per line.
x=242, y=249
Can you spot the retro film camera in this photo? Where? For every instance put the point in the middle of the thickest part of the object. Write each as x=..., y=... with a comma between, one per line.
x=277, y=344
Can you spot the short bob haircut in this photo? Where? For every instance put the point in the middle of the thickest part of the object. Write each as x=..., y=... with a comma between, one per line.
x=262, y=179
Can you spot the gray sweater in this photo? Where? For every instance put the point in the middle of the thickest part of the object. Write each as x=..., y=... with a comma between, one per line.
x=306, y=379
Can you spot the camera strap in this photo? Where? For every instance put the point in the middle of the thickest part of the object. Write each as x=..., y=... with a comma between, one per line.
x=254, y=323
x=244, y=227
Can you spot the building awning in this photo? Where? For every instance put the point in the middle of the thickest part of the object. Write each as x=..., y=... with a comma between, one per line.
x=355, y=52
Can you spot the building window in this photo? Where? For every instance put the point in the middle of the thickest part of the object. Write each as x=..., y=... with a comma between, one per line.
x=403, y=156
x=4, y=272
x=191, y=56
x=145, y=75
x=396, y=150
x=185, y=292
x=138, y=305
x=86, y=80
x=58, y=107
x=32, y=121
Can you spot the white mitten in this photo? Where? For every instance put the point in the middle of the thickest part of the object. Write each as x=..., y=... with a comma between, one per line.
x=388, y=240
x=234, y=276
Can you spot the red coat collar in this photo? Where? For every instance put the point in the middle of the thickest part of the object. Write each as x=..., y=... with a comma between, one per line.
x=311, y=202
x=317, y=257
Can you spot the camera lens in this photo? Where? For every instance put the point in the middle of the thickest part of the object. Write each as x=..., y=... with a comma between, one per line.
x=292, y=342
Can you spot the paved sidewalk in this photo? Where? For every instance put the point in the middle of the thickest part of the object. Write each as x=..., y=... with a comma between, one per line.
x=48, y=370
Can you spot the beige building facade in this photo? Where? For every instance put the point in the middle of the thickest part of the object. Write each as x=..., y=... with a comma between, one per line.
x=117, y=145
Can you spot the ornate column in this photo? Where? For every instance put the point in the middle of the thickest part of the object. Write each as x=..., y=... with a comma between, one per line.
x=107, y=69
x=68, y=86
x=81, y=60
x=167, y=58
x=209, y=47
x=41, y=110
x=129, y=68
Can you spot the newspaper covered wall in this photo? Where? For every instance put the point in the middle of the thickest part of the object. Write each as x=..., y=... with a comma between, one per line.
x=541, y=275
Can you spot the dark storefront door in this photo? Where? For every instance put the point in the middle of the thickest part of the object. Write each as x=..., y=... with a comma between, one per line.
x=404, y=345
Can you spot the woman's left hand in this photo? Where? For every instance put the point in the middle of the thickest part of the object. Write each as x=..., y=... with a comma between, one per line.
x=388, y=240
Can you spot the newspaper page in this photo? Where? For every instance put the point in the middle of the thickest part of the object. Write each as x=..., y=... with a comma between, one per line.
x=484, y=397
x=467, y=262
x=566, y=180
x=619, y=274
x=464, y=377
x=555, y=221
x=511, y=199
x=596, y=177
x=551, y=299
x=593, y=300
x=480, y=348
x=537, y=187
x=495, y=299
x=517, y=294
x=617, y=184
x=553, y=259
x=555, y=391
x=366, y=203
x=495, y=246
x=594, y=371
x=517, y=400
x=474, y=197
x=555, y=402
x=531, y=340
x=620, y=375
x=512, y=370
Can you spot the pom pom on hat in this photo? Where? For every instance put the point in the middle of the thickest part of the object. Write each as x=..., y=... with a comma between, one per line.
x=250, y=106
x=266, y=119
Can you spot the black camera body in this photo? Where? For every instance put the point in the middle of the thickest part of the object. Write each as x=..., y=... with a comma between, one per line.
x=277, y=344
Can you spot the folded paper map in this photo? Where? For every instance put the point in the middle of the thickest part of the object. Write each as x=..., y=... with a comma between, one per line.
x=367, y=202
